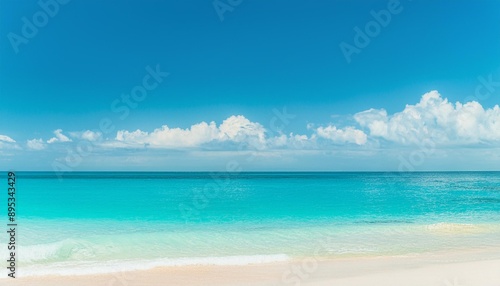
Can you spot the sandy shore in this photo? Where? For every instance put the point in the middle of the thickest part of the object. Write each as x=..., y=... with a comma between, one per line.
x=423, y=270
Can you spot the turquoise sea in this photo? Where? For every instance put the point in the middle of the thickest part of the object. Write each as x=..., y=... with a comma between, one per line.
x=95, y=222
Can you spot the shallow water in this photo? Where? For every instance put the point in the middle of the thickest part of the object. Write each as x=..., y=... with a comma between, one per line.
x=102, y=222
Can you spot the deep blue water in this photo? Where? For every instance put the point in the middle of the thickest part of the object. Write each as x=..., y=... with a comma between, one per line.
x=218, y=197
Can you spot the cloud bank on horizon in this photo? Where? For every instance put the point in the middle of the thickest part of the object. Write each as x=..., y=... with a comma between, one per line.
x=433, y=119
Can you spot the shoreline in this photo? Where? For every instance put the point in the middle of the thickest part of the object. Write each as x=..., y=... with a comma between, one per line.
x=440, y=269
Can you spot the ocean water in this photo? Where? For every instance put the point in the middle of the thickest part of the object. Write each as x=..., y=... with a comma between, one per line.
x=97, y=222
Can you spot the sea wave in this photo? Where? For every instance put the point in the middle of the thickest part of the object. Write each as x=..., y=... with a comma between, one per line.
x=116, y=266
x=68, y=249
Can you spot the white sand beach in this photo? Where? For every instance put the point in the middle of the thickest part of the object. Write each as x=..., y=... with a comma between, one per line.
x=450, y=269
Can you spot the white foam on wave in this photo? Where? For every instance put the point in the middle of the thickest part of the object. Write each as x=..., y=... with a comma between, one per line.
x=33, y=253
x=68, y=249
x=103, y=267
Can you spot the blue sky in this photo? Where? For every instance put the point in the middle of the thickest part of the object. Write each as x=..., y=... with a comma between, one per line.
x=239, y=65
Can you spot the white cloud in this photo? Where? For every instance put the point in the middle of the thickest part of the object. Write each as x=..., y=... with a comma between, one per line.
x=292, y=141
x=432, y=119
x=436, y=119
x=7, y=139
x=7, y=142
x=170, y=137
x=91, y=135
x=87, y=135
x=36, y=144
x=238, y=128
x=344, y=135
x=59, y=137
x=235, y=129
